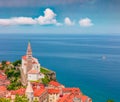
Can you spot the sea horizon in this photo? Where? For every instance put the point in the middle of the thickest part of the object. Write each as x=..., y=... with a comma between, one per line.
x=88, y=62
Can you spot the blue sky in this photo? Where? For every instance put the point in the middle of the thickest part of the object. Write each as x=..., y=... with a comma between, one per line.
x=60, y=16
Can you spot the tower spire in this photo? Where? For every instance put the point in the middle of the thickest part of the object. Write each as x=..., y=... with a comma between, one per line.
x=29, y=51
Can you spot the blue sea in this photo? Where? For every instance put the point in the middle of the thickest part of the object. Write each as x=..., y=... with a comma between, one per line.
x=90, y=62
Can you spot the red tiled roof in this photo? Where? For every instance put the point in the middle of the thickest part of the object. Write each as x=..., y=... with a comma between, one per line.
x=53, y=91
x=3, y=89
x=2, y=71
x=54, y=83
x=72, y=93
x=33, y=59
x=7, y=62
x=64, y=99
x=7, y=82
x=2, y=77
x=73, y=90
x=68, y=98
x=39, y=92
x=20, y=91
x=71, y=96
x=34, y=62
x=8, y=97
x=84, y=98
x=24, y=57
x=33, y=72
x=37, y=84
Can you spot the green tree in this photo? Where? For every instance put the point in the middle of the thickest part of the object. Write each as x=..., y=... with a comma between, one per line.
x=44, y=70
x=12, y=86
x=4, y=100
x=45, y=80
x=16, y=63
x=21, y=99
x=3, y=62
x=9, y=72
x=17, y=73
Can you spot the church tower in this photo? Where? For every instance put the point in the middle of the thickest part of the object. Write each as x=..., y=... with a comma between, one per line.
x=29, y=92
x=29, y=58
x=30, y=68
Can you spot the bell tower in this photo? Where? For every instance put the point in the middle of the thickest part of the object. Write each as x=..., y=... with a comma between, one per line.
x=29, y=57
x=29, y=51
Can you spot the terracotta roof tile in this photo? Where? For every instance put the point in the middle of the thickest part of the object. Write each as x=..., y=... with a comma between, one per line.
x=39, y=92
x=33, y=72
x=20, y=91
x=84, y=98
x=34, y=62
x=33, y=59
x=70, y=97
x=24, y=57
x=73, y=90
x=54, y=83
x=2, y=77
x=53, y=91
x=3, y=89
x=7, y=62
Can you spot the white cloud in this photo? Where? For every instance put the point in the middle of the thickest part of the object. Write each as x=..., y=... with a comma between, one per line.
x=5, y=22
x=85, y=22
x=48, y=18
x=68, y=22
x=17, y=21
x=23, y=20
